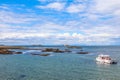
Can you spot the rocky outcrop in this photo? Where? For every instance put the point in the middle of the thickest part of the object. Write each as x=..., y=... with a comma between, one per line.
x=6, y=51
x=52, y=50
x=11, y=47
x=55, y=50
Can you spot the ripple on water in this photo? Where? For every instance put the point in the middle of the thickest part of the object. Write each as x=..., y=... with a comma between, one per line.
x=59, y=67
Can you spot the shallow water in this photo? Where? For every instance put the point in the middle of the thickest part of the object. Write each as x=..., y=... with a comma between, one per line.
x=61, y=66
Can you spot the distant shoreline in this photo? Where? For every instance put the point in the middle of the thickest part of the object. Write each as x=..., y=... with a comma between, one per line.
x=18, y=47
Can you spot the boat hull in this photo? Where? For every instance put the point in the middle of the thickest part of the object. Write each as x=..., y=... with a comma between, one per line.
x=106, y=61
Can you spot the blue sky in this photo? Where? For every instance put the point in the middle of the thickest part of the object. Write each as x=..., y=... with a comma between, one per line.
x=82, y=22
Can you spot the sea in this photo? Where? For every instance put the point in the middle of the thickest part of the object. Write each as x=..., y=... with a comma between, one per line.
x=60, y=66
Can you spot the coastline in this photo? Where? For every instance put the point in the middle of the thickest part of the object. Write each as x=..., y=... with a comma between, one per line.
x=18, y=47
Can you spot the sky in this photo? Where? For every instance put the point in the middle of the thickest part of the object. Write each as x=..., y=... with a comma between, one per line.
x=46, y=22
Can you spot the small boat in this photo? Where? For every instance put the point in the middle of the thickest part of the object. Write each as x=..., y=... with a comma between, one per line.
x=105, y=59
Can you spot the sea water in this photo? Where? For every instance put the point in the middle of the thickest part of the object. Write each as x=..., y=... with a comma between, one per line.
x=61, y=66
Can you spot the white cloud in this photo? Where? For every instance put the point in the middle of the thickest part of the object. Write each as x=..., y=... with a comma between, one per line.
x=103, y=29
x=10, y=17
x=87, y=30
x=106, y=6
x=53, y=32
x=23, y=35
x=80, y=0
x=55, y=5
x=75, y=8
x=117, y=13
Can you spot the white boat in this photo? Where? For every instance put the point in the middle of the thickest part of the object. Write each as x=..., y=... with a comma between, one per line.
x=105, y=59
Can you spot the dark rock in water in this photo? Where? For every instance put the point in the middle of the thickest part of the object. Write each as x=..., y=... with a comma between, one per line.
x=44, y=54
x=35, y=54
x=18, y=52
x=40, y=54
x=52, y=50
x=82, y=52
x=55, y=50
x=22, y=76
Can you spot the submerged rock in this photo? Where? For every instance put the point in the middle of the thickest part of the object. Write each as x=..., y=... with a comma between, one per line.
x=40, y=54
x=18, y=52
x=35, y=54
x=22, y=76
x=82, y=52
x=44, y=54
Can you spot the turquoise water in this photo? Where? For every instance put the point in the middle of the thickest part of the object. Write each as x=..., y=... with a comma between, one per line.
x=61, y=66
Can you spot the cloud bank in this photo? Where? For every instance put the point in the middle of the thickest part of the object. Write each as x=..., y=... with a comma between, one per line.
x=84, y=22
